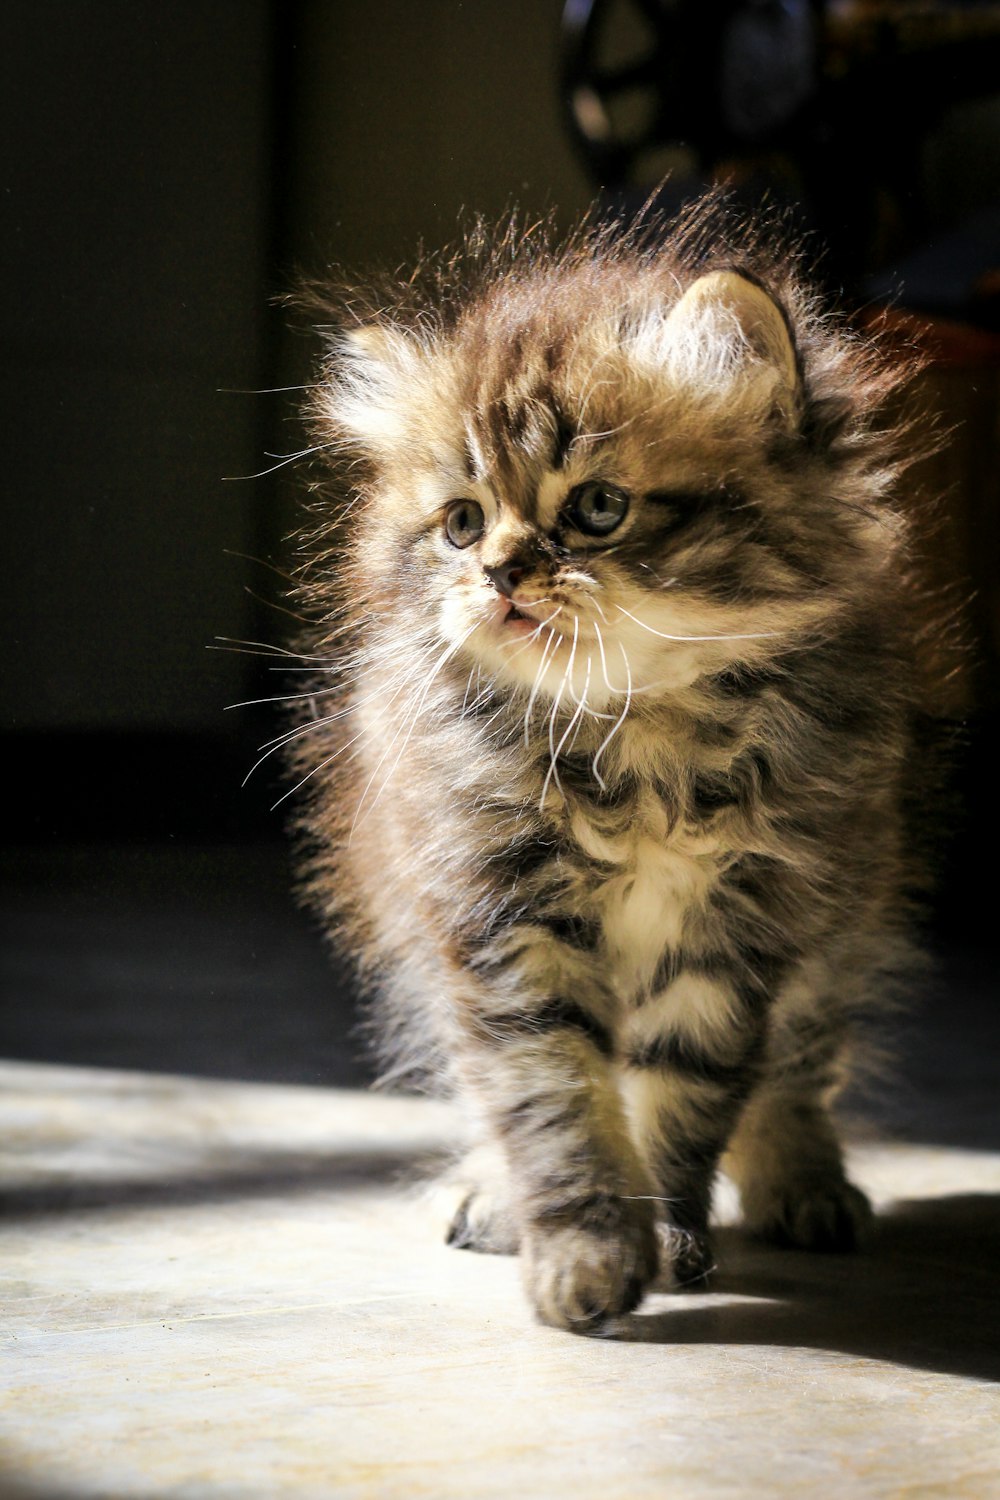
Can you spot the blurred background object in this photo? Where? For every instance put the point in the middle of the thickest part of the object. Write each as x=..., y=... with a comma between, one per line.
x=168, y=172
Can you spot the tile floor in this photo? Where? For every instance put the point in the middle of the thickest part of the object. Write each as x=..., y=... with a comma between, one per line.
x=219, y=1288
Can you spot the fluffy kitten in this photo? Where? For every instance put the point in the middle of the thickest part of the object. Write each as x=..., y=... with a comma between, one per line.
x=610, y=733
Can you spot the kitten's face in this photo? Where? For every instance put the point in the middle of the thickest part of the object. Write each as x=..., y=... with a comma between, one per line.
x=593, y=507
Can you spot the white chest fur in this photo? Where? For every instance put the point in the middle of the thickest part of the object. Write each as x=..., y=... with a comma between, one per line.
x=660, y=874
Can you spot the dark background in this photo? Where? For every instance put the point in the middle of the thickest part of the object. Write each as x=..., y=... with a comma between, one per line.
x=167, y=172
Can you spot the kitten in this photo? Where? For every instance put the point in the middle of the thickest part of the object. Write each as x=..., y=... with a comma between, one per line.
x=610, y=734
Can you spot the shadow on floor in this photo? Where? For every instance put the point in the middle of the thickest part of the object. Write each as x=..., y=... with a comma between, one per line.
x=263, y=1174
x=924, y=1296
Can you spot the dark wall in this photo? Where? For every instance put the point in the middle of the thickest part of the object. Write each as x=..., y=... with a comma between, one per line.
x=136, y=186
x=407, y=113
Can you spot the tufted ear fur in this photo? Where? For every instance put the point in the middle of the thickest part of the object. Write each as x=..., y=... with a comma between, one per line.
x=369, y=384
x=728, y=329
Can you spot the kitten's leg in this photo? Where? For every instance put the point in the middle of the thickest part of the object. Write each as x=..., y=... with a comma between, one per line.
x=538, y=1049
x=784, y=1155
x=693, y=1051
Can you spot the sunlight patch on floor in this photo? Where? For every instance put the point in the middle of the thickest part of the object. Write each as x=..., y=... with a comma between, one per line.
x=219, y=1289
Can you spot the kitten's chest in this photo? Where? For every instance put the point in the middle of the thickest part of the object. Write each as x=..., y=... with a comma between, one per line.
x=645, y=877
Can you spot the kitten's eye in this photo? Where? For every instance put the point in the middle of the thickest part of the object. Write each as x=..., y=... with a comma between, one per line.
x=464, y=523
x=596, y=508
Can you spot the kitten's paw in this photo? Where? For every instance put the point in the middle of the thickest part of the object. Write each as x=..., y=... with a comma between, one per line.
x=582, y=1271
x=689, y=1254
x=483, y=1221
x=474, y=1200
x=828, y=1215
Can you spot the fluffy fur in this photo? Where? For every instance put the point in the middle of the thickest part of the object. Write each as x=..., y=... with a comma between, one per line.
x=612, y=819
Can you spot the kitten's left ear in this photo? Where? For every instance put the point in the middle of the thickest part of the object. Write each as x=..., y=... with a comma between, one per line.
x=726, y=320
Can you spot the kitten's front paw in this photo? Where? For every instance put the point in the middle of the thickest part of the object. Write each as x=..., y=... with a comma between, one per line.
x=690, y=1256
x=483, y=1221
x=825, y=1215
x=474, y=1199
x=580, y=1271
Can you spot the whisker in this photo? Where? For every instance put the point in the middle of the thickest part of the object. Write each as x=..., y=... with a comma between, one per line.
x=759, y=635
x=285, y=459
x=604, y=662
x=663, y=583
x=553, y=639
x=243, y=651
x=271, y=747
x=316, y=769
x=593, y=712
x=552, y=774
x=281, y=609
x=582, y=705
x=298, y=731
x=615, y=728
x=468, y=689
x=266, y=649
x=284, y=697
x=268, y=390
x=261, y=562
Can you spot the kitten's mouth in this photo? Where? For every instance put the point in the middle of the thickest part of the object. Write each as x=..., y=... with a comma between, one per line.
x=518, y=619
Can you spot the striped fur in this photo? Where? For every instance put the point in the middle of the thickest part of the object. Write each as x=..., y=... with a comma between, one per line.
x=625, y=872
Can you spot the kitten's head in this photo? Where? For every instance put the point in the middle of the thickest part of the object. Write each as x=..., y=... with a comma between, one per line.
x=600, y=474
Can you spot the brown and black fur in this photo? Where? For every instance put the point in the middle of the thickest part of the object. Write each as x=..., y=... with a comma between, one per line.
x=626, y=882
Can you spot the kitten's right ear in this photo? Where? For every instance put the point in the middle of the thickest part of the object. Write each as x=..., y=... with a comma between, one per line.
x=364, y=392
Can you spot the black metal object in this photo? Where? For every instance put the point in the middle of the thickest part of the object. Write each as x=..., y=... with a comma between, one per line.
x=718, y=78
x=825, y=105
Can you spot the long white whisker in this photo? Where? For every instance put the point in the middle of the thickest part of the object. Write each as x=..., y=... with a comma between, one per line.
x=604, y=660
x=270, y=747
x=593, y=712
x=553, y=639
x=268, y=390
x=552, y=752
x=267, y=649
x=487, y=722
x=317, y=768
x=552, y=774
x=759, y=635
x=283, y=698
x=387, y=702
x=468, y=689
x=615, y=728
x=572, y=652
x=582, y=705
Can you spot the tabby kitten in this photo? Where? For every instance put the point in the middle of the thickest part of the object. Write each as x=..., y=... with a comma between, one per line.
x=609, y=733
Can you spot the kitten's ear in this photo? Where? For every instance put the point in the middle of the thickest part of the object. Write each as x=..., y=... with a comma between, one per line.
x=728, y=324
x=370, y=373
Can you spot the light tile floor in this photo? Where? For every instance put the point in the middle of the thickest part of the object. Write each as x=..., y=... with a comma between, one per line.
x=216, y=1289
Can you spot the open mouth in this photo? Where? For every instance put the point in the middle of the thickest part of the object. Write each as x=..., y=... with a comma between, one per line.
x=518, y=617
x=520, y=620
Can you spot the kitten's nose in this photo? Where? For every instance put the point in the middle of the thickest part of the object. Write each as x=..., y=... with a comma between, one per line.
x=507, y=576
